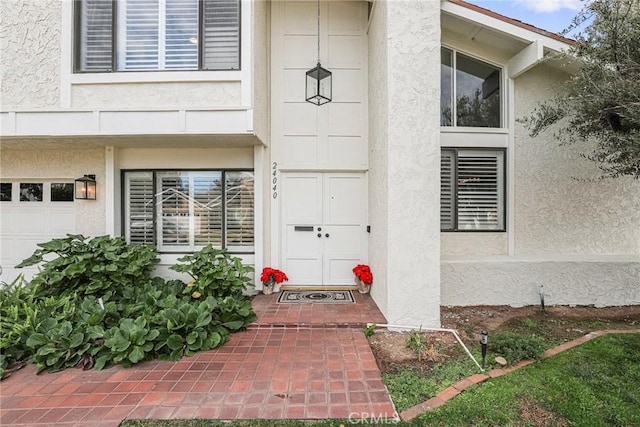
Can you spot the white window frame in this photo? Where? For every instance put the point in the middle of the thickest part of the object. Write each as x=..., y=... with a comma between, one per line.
x=157, y=217
x=501, y=180
x=503, y=95
x=80, y=76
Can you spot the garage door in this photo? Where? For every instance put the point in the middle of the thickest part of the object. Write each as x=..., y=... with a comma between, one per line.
x=32, y=212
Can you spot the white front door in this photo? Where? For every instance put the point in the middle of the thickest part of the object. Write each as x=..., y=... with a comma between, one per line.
x=324, y=227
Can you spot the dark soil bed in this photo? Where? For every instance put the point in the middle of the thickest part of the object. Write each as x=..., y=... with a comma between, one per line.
x=556, y=325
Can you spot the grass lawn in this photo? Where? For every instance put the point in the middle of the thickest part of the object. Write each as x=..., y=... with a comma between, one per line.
x=596, y=384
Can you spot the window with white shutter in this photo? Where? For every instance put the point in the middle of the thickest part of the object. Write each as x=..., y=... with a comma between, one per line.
x=446, y=190
x=239, y=210
x=221, y=35
x=472, y=190
x=139, y=208
x=94, y=22
x=147, y=35
x=183, y=211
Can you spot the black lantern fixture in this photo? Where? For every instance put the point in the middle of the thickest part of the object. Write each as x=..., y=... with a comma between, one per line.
x=86, y=188
x=318, y=79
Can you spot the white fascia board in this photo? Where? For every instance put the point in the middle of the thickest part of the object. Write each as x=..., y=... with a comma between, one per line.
x=510, y=30
x=526, y=59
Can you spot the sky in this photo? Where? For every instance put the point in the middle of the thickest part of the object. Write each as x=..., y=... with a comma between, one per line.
x=550, y=15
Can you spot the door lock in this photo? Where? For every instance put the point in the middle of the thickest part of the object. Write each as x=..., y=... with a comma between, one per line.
x=326, y=235
x=319, y=234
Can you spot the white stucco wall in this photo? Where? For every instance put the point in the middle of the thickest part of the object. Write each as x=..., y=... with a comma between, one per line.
x=184, y=95
x=576, y=235
x=260, y=72
x=378, y=154
x=63, y=164
x=29, y=54
x=561, y=205
x=411, y=154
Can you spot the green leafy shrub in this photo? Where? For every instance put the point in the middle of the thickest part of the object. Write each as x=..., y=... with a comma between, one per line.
x=214, y=273
x=515, y=346
x=416, y=342
x=102, y=265
x=76, y=313
x=370, y=330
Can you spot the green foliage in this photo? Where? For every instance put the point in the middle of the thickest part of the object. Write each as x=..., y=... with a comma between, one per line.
x=128, y=343
x=601, y=102
x=594, y=384
x=215, y=273
x=58, y=345
x=370, y=330
x=101, y=265
x=410, y=386
x=416, y=342
x=515, y=346
x=68, y=315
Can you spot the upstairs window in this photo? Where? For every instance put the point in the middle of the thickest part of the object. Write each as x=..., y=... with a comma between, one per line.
x=472, y=190
x=153, y=35
x=471, y=91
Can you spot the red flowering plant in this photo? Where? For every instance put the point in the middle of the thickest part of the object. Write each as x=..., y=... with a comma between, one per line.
x=272, y=273
x=363, y=272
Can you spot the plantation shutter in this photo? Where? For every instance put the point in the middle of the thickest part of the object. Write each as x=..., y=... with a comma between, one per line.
x=480, y=190
x=96, y=35
x=173, y=205
x=138, y=46
x=207, y=199
x=239, y=210
x=181, y=43
x=221, y=35
x=158, y=35
x=139, y=208
x=447, y=189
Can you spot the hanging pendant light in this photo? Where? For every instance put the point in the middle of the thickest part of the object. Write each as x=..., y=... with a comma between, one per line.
x=318, y=79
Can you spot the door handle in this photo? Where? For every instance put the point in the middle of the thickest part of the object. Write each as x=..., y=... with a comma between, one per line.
x=326, y=235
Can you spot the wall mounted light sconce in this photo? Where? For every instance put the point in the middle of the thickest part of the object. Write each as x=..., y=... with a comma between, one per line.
x=318, y=84
x=86, y=188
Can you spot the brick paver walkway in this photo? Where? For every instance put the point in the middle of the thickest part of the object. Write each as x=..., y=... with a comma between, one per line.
x=320, y=315
x=272, y=370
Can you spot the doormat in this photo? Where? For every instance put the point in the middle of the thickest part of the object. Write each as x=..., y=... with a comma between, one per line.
x=322, y=297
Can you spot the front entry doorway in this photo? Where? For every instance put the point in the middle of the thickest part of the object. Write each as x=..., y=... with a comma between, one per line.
x=323, y=227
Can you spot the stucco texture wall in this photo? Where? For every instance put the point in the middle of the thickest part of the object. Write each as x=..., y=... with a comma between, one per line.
x=68, y=164
x=29, y=54
x=576, y=236
x=561, y=205
x=378, y=154
x=405, y=167
x=260, y=69
x=185, y=95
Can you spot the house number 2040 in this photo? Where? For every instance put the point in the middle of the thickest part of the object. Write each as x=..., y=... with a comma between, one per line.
x=274, y=179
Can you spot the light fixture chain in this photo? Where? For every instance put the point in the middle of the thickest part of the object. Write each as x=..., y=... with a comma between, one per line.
x=318, y=31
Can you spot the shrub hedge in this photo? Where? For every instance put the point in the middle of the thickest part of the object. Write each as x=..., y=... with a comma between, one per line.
x=94, y=304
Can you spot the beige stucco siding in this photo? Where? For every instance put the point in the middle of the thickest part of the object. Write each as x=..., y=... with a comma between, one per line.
x=260, y=72
x=378, y=152
x=179, y=95
x=405, y=161
x=574, y=236
x=29, y=54
x=561, y=204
